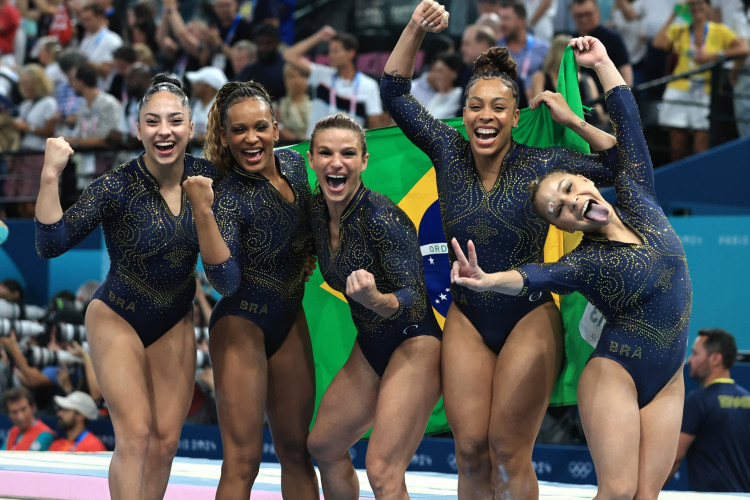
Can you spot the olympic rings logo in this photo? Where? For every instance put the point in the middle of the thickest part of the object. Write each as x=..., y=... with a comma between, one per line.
x=409, y=329
x=451, y=459
x=580, y=470
x=535, y=296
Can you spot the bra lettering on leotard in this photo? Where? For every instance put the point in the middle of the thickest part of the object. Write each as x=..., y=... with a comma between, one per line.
x=625, y=350
x=253, y=307
x=119, y=302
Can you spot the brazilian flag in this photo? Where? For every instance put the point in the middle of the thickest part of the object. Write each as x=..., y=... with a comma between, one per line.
x=401, y=171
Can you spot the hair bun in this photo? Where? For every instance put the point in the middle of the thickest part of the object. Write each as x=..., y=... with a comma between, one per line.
x=497, y=58
x=165, y=78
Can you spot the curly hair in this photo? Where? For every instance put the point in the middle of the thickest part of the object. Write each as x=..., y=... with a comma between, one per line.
x=229, y=95
x=495, y=63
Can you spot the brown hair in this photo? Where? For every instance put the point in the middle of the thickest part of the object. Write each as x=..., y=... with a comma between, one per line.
x=534, y=188
x=229, y=95
x=16, y=394
x=339, y=121
x=495, y=63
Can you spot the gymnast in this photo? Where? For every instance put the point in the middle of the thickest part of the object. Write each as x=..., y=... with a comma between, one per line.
x=140, y=321
x=368, y=250
x=632, y=267
x=501, y=355
x=255, y=252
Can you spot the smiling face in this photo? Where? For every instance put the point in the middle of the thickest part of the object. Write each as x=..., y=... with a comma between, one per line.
x=490, y=115
x=250, y=133
x=337, y=158
x=164, y=128
x=572, y=203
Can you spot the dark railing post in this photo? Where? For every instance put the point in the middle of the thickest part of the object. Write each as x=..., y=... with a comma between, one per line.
x=714, y=125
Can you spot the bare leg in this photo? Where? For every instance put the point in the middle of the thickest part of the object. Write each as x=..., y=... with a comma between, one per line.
x=525, y=375
x=290, y=406
x=610, y=416
x=344, y=415
x=171, y=361
x=121, y=369
x=467, y=369
x=661, y=420
x=701, y=140
x=678, y=142
x=238, y=357
x=408, y=392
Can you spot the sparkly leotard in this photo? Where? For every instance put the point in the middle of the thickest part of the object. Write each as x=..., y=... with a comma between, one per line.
x=501, y=222
x=643, y=291
x=153, y=253
x=269, y=238
x=377, y=236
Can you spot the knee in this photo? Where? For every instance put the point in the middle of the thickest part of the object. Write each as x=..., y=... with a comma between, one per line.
x=243, y=465
x=471, y=455
x=509, y=454
x=386, y=479
x=292, y=452
x=621, y=490
x=164, y=445
x=321, y=449
x=134, y=441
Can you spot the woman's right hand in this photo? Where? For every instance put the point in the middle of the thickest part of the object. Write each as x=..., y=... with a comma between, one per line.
x=57, y=152
x=430, y=16
x=589, y=51
x=199, y=192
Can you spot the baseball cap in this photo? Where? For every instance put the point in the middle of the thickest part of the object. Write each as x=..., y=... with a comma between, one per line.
x=209, y=75
x=80, y=402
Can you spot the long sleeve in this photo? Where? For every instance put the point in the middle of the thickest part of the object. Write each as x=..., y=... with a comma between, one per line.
x=226, y=277
x=562, y=277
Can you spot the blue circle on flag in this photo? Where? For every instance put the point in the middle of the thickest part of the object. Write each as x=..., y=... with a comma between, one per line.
x=435, y=258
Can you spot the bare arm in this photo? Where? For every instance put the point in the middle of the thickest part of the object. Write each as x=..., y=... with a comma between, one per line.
x=540, y=11
x=428, y=16
x=661, y=40
x=294, y=55
x=56, y=156
x=682, y=447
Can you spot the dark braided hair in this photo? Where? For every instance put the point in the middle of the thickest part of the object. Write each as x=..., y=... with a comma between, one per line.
x=165, y=83
x=229, y=95
x=496, y=62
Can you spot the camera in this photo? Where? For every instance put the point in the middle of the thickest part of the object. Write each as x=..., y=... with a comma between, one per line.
x=67, y=332
x=202, y=360
x=22, y=327
x=41, y=357
x=201, y=333
x=11, y=310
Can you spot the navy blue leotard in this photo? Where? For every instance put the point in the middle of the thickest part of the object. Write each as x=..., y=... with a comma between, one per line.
x=269, y=239
x=153, y=253
x=501, y=222
x=643, y=291
x=377, y=236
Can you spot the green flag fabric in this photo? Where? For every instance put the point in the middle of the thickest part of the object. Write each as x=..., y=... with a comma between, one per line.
x=401, y=171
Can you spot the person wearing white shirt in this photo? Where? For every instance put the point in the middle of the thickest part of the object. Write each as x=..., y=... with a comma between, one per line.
x=99, y=43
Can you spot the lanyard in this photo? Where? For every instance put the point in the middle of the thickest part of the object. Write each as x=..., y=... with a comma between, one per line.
x=692, y=38
x=232, y=29
x=78, y=440
x=98, y=39
x=527, y=56
x=352, y=102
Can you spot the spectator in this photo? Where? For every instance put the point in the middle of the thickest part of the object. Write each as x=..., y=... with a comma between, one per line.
x=95, y=120
x=492, y=21
x=228, y=28
x=123, y=58
x=686, y=101
x=114, y=19
x=10, y=21
x=629, y=20
x=28, y=433
x=526, y=49
x=145, y=55
x=76, y=409
x=268, y=70
x=475, y=41
x=36, y=121
x=46, y=51
x=447, y=100
x=137, y=82
x=190, y=51
x=68, y=102
x=338, y=87
x=11, y=291
x=99, y=43
x=244, y=54
x=739, y=22
x=587, y=18
x=715, y=435
x=206, y=83
x=293, y=110
x=541, y=17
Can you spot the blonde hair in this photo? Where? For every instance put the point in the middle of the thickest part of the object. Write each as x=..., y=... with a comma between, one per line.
x=553, y=59
x=41, y=83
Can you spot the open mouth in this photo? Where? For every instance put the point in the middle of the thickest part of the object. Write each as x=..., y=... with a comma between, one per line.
x=253, y=155
x=335, y=182
x=593, y=211
x=485, y=135
x=165, y=146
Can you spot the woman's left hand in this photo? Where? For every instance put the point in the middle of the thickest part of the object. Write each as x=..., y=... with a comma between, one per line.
x=558, y=107
x=199, y=191
x=310, y=264
x=589, y=51
x=360, y=286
